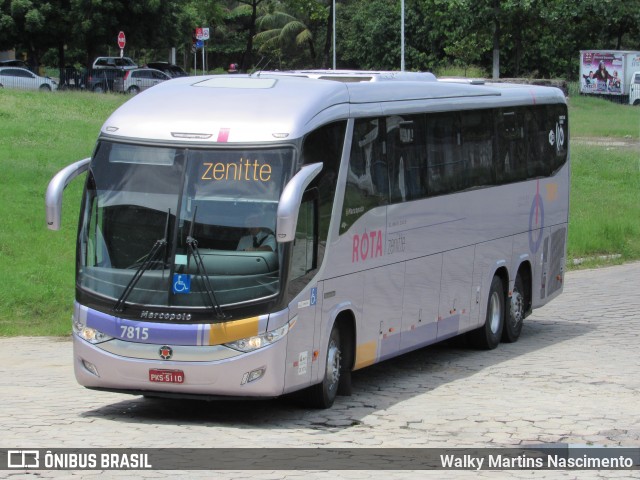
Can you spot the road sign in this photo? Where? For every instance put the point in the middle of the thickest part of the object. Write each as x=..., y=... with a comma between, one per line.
x=198, y=33
x=205, y=33
x=121, y=40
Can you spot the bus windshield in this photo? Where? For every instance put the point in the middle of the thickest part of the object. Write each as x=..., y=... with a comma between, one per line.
x=178, y=227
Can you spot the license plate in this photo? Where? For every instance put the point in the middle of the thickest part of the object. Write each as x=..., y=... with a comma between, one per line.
x=166, y=376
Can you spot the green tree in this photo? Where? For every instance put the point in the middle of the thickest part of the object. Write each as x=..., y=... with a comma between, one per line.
x=34, y=26
x=281, y=31
x=369, y=35
x=249, y=9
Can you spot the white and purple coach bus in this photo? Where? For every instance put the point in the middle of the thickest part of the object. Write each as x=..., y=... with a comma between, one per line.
x=255, y=235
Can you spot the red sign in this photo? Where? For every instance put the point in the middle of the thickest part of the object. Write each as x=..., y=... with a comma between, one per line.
x=121, y=40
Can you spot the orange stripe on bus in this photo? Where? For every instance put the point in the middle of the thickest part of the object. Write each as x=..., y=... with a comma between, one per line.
x=231, y=331
x=366, y=354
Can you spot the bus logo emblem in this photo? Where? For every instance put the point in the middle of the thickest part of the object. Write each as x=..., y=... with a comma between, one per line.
x=166, y=352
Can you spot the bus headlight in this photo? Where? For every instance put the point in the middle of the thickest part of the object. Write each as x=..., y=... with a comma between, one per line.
x=89, y=334
x=262, y=340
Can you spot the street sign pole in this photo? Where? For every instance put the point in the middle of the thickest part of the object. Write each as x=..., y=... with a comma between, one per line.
x=205, y=36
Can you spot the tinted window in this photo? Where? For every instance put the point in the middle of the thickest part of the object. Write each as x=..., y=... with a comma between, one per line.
x=478, y=147
x=367, y=178
x=512, y=153
x=402, y=158
x=407, y=152
x=324, y=145
x=444, y=151
x=17, y=72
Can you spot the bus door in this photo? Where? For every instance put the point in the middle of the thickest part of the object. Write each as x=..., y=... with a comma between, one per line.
x=305, y=337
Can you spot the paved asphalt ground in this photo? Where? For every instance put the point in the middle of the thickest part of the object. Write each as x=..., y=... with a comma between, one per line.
x=572, y=378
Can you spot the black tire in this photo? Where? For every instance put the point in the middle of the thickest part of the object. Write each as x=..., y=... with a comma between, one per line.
x=99, y=88
x=133, y=90
x=515, y=315
x=324, y=393
x=488, y=336
x=45, y=88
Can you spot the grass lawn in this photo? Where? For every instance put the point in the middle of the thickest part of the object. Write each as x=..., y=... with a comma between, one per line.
x=42, y=133
x=605, y=182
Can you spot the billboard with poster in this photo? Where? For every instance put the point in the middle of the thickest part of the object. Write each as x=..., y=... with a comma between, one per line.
x=607, y=72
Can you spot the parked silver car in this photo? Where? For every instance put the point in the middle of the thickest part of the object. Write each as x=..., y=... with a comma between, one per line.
x=134, y=81
x=15, y=77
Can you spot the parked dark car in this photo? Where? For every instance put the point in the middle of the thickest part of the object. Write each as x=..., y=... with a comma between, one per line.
x=101, y=79
x=14, y=63
x=173, y=71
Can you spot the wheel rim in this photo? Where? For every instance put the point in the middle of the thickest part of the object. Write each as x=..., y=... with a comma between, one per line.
x=494, y=313
x=517, y=308
x=333, y=366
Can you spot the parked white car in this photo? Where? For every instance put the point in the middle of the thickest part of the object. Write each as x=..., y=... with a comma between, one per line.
x=134, y=81
x=115, y=62
x=15, y=77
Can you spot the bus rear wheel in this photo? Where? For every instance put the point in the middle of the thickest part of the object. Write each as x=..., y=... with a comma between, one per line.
x=324, y=393
x=488, y=336
x=513, y=324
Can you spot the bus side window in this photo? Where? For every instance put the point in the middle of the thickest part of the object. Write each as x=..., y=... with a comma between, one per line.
x=304, y=258
x=368, y=176
x=304, y=247
x=537, y=139
x=512, y=151
x=407, y=156
x=558, y=136
x=477, y=148
x=444, y=156
x=325, y=145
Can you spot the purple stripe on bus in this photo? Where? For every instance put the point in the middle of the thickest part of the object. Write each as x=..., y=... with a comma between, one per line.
x=134, y=331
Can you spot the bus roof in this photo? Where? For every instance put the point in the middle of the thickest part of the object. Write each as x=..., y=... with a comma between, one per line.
x=269, y=107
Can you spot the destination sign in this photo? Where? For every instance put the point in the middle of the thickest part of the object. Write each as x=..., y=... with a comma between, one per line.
x=244, y=170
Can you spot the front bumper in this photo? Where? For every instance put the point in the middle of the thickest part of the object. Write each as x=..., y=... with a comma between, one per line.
x=224, y=377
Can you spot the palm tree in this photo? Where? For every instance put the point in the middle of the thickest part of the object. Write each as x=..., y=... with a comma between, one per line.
x=279, y=29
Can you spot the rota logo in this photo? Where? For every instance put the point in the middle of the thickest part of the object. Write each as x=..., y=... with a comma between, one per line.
x=365, y=246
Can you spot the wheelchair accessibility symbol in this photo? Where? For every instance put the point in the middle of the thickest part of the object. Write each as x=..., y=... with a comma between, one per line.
x=181, y=283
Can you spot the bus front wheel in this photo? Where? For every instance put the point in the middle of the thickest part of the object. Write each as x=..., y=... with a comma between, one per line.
x=488, y=336
x=324, y=393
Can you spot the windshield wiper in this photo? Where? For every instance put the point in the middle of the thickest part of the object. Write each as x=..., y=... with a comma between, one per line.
x=201, y=271
x=151, y=256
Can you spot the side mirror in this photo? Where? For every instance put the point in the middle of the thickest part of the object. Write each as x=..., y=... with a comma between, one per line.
x=53, y=198
x=290, y=200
